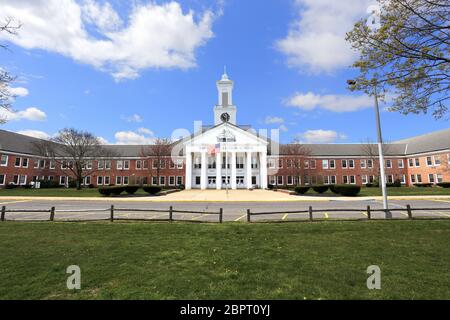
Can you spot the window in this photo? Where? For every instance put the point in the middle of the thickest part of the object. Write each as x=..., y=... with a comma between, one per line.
x=4, y=161
x=429, y=161
x=125, y=180
x=119, y=164
x=179, y=163
x=324, y=164
x=332, y=179
x=62, y=180
x=138, y=164
x=162, y=164
x=18, y=162
x=288, y=163
x=400, y=163
x=419, y=178
x=413, y=178
x=107, y=181
x=313, y=164
x=240, y=162
x=108, y=164
x=87, y=180
x=197, y=163
x=280, y=163
x=344, y=164
x=332, y=164
x=197, y=180
x=179, y=180
x=100, y=165
x=390, y=178
x=99, y=180
x=388, y=163
x=410, y=163
x=145, y=164
x=25, y=162
x=364, y=179
x=351, y=164
x=439, y=178
x=290, y=181
x=52, y=164
x=271, y=163
x=352, y=179
x=50, y=178
x=118, y=180
x=306, y=164
x=36, y=164
x=363, y=164
x=155, y=164
x=403, y=179
x=126, y=164
x=212, y=163
x=42, y=163
x=171, y=181
x=254, y=163
x=272, y=180
x=417, y=160
x=171, y=164
x=2, y=179
x=280, y=180
x=154, y=181
x=345, y=179
x=326, y=180
x=437, y=161
x=369, y=163
x=162, y=181
x=431, y=178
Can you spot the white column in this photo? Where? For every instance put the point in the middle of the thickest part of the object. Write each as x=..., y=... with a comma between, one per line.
x=218, y=171
x=233, y=170
x=249, y=170
x=188, y=178
x=203, y=177
x=263, y=169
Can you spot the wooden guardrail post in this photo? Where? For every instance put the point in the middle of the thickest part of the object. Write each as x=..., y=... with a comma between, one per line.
x=369, y=214
x=171, y=214
x=408, y=208
x=111, y=218
x=221, y=215
x=248, y=215
x=3, y=213
x=52, y=214
x=310, y=213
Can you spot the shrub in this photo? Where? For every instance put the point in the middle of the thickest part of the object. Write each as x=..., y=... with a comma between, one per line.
x=424, y=185
x=131, y=189
x=369, y=185
x=301, y=190
x=347, y=190
x=47, y=184
x=72, y=184
x=181, y=186
x=320, y=188
x=444, y=184
x=152, y=189
x=270, y=186
x=106, y=191
x=11, y=186
x=117, y=190
x=333, y=189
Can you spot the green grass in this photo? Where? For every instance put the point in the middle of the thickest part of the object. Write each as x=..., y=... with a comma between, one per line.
x=393, y=191
x=326, y=260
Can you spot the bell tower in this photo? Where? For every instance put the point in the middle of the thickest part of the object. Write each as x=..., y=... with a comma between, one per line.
x=225, y=111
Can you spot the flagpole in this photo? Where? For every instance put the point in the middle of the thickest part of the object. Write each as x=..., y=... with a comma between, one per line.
x=226, y=157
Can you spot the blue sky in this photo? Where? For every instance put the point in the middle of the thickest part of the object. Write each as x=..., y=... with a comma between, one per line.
x=130, y=72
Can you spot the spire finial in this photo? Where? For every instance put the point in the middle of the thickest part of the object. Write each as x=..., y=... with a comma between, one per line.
x=224, y=69
x=225, y=75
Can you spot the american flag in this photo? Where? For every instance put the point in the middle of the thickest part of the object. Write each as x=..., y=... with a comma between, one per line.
x=213, y=149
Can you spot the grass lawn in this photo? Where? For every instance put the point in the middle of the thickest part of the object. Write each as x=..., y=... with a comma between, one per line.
x=325, y=260
x=392, y=191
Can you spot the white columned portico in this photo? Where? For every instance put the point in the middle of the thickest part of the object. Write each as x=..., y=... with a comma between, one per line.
x=263, y=169
x=249, y=170
x=188, y=178
x=218, y=170
x=203, y=176
x=233, y=170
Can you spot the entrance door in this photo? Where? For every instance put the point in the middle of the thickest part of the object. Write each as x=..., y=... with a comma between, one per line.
x=211, y=182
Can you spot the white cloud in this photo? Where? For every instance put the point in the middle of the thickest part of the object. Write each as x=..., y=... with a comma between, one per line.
x=133, y=118
x=274, y=120
x=320, y=136
x=32, y=114
x=18, y=91
x=102, y=140
x=335, y=103
x=155, y=35
x=35, y=134
x=316, y=40
x=283, y=128
x=143, y=136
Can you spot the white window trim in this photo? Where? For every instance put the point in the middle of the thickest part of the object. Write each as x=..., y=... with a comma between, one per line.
x=325, y=164
x=126, y=164
x=4, y=179
x=401, y=163
x=363, y=164
x=180, y=179
x=28, y=162
x=174, y=181
x=20, y=162
x=98, y=181
x=7, y=158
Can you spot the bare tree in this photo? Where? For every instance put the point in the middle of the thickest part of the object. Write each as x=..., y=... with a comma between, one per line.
x=298, y=153
x=158, y=152
x=370, y=150
x=6, y=96
x=75, y=150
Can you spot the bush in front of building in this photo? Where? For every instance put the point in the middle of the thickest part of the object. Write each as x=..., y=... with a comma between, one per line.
x=301, y=189
x=113, y=190
x=106, y=191
x=443, y=184
x=320, y=188
x=131, y=189
x=396, y=184
x=423, y=185
x=152, y=189
x=346, y=190
x=49, y=184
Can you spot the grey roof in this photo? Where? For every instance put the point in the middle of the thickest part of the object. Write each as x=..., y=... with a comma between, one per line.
x=434, y=141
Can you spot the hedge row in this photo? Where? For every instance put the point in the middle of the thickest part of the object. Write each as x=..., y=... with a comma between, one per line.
x=117, y=190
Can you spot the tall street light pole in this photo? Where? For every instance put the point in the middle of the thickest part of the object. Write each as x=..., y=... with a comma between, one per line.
x=387, y=213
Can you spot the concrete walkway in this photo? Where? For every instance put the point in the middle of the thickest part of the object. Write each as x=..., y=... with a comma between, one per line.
x=224, y=196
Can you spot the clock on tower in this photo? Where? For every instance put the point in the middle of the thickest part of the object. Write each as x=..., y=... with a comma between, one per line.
x=225, y=110
x=225, y=117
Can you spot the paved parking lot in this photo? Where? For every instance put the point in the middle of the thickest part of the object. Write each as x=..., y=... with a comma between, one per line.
x=232, y=211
